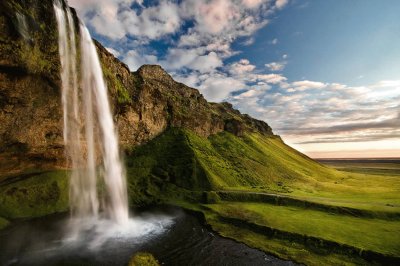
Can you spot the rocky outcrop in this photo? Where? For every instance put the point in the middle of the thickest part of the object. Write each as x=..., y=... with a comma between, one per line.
x=145, y=102
x=30, y=113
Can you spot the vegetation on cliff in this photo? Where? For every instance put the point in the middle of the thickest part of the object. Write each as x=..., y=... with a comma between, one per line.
x=35, y=194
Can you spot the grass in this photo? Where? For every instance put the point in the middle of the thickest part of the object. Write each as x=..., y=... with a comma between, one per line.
x=389, y=167
x=368, y=234
x=283, y=248
x=254, y=164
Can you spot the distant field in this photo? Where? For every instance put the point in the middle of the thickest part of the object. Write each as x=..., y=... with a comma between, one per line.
x=375, y=166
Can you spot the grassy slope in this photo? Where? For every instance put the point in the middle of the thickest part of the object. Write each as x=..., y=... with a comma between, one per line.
x=253, y=163
x=259, y=164
x=266, y=164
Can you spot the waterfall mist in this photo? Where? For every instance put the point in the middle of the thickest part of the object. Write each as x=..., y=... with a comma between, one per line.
x=89, y=133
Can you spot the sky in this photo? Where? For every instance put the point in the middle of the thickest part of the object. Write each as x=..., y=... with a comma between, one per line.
x=325, y=75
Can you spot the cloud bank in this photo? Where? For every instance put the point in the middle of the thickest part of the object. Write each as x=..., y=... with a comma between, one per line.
x=194, y=40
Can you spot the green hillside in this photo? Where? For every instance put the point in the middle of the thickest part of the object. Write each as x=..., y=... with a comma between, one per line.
x=255, y=163
x=258, y=190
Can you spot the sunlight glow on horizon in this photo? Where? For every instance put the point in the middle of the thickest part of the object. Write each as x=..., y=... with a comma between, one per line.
x=367, y=149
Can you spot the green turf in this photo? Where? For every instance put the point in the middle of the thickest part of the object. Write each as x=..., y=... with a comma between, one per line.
x=283, y=248
x=370, y=234
x=252, y=163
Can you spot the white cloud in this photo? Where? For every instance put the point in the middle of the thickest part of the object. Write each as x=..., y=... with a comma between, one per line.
x=206, y=63
x=217, y=86
x=215, y=25
x=215, y=16
x=307, y=84
x=281, y=3
x=274, y=41
x=190, y=40
x=252, y=3
x=134, y=60
x=241, y=67
x=192, y=58
x=276, y=66
x=153, y=22
x=337, y=86
x=270, y=78
x=340, y=113
x=113, y=51
x=387, y=83
x=249, y=41
x=115, y=19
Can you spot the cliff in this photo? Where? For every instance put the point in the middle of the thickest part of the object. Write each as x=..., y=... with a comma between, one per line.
x=145, y=103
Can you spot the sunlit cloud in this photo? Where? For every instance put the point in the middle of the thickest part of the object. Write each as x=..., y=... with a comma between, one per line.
x=195, y=43
x=276, y=66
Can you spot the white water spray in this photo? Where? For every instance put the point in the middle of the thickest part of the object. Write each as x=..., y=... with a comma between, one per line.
x=86, y=109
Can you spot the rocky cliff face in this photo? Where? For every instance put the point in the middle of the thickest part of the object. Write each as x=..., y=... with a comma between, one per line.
x=30, y=113
x=145, y=103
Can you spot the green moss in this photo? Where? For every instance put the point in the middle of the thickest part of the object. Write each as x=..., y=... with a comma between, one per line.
x=212, y=197
x=34, y=59
x=123, y=96
x=37, y=195
x=143, y=259
x=118, y=89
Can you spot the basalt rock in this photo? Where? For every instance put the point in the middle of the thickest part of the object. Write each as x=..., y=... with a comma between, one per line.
x=145, y=103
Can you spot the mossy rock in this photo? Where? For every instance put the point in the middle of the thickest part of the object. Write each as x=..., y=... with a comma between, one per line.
x=212, y=197
x=38, y=195
x=143, y=259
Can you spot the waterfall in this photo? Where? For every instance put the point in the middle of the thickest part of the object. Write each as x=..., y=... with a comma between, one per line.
x=89, y=133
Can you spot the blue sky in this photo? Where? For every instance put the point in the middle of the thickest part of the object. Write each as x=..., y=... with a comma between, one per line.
x=324, y=74
x=350, y=42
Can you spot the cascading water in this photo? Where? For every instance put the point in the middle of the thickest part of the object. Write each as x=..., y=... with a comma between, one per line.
x=86, y=109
